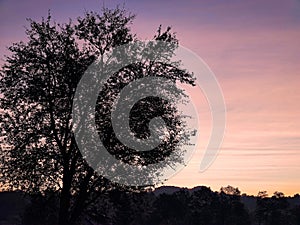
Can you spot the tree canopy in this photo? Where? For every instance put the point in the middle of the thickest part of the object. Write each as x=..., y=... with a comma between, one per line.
x=38, y=84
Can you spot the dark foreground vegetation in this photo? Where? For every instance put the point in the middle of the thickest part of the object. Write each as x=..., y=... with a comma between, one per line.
x=163, y=206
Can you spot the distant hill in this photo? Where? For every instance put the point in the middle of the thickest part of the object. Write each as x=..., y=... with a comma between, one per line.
x=172, y=189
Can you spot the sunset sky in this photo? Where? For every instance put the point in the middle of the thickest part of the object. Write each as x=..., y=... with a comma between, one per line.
x=253, y=48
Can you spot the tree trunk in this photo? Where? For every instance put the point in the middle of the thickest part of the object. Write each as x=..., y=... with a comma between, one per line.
x=65, y=198
x=82, y=197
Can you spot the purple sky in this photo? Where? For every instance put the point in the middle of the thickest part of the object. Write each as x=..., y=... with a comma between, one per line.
x=253, y=47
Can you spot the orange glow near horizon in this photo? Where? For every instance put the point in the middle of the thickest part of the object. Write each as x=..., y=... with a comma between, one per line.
x=260, y=78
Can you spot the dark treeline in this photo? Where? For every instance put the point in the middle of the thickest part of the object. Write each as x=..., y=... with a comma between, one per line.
x=171, y=206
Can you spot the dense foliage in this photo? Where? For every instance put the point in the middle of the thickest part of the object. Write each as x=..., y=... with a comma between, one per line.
x=38, y=83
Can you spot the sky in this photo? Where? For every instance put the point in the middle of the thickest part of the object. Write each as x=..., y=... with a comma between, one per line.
x=253, y=48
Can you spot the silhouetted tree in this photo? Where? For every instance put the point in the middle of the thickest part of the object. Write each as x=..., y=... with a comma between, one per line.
x=168, y=210
x=203, y=206
x=261, y=206
x=229, y=190
x=278, y=210
x=231, y=209
x=142, y=207
x=274, y=210
x=38, y=83
x=295, y=214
